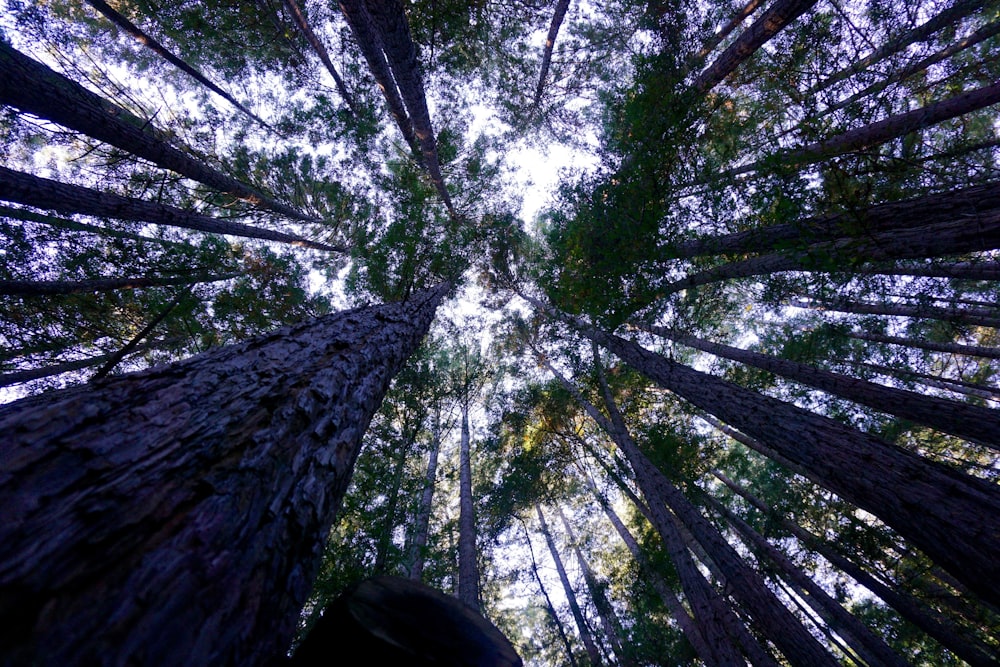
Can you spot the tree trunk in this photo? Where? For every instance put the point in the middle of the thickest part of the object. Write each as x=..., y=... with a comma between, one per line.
x=968, y=421
x=933, y=346
x=177, y=515
x=50, y=287
x=930, y=621
x=418, y=543
x=918, y=498
x=157, y=48
x=468, y=555
x=581, y=623
x=949, y=16
x=725, y=30
x=774, y=18
x=389, y=519
x=300, y=22
x=972, y=316
x=32, y=87
x=562, y=6
x=938, y=382
x=23, y=214
x=43, y=193
x=548, y=601
x=16, y=377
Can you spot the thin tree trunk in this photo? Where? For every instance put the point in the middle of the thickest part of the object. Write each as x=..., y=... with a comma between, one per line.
x=29, y=190
x=916, y=497
x=972, y=316
x=16, y=377
x=949, y=16
x=32, y=87
x=581, y=623
x=605, y=612
x=724, y=31
x=548, y=601
x=153, y=45
x=938, y=382
x=774, y=18
x=389, y=518
x=930, y=621
x=978, y=270
x=933, y=346
x=972, y=422
x=177, y=515
x=418, y=544
x=72, y=225
x=769, y=614
x=300, y=22
x=51, y=287
x=468, y=555
x=562, y=6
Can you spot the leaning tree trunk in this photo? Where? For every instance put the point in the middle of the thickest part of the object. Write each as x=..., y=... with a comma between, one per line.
x=548, y=601
x=300, y=22
x=562, y=6
x=23, y=214
x=52, y=287
x=32, y=87
x=418, y=543
x=153, y=45
x=21, y=188
x=177, y=515
x=931, y=346
x=983, y=317
x=972, y=422
x=468, y=557
x=746, y=10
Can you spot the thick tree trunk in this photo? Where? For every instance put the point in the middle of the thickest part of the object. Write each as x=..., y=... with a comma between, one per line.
x=918, y=498
x=50, y=287
x=177, y=516
x=157, y=48
x=32, y=87
x=933, y=346
x=774, y=18
x=29, y=190
x=562, y=6
x=418, y=543
x=468, y=554
x=926, y=619
x=300, y=22
x=949, y=16
x=968, y=421
x=581, y=623
x=973, y=316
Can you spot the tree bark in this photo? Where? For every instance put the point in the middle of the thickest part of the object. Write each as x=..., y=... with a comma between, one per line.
x=581, y=623
x=300, y=22
x=725, y=30
x=968, y=421
x=50, y=287
x=562, y=6
x=926, y=619
x=32, y=87
x=72, y=225
x=177, y=515
x=29, y=190
x=972, y=316
x=157, y=48
x=933, y=346
x=468, y=554
x=418, y=543
x=774, y=18
x=548, y=601
x=918, y=498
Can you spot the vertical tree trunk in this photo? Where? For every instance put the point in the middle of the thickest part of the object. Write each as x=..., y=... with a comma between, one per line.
x=21, y=188
x=581, y=623
x=468, y=554
x=389, y=519
x=421, y=526
x=548, y=601
x=31, y=86
x=177, y=516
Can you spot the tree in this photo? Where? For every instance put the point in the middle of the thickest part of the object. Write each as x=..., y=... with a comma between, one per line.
x=219, y=501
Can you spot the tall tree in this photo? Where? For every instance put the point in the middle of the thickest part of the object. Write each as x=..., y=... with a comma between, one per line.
x=216, y=508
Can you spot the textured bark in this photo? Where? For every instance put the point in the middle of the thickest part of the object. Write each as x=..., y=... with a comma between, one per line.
x=968, y=421
x=29, y=190
x=300, y=22
x=32, y=87
x=933, y=346
x=562, y=6
x=975, y=316
x=970, y=205
x=157, y=48
x=50, y=287
x=953, y=14
x=468, y=554
x=389, y=17
x=177, y=516
x=930, y=621
x=605, y=612
x=581, y=623
x=418, y=543
x=776, y=17
x=947, y=514
x=869, y=647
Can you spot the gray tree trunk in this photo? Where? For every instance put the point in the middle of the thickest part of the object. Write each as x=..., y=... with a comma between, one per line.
x=933, y=346
x=177, y=515
x=300, y=22
x=468, y=554
x=985, y=317
x=50, y=287
x=562, y=6
x=418, y=543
